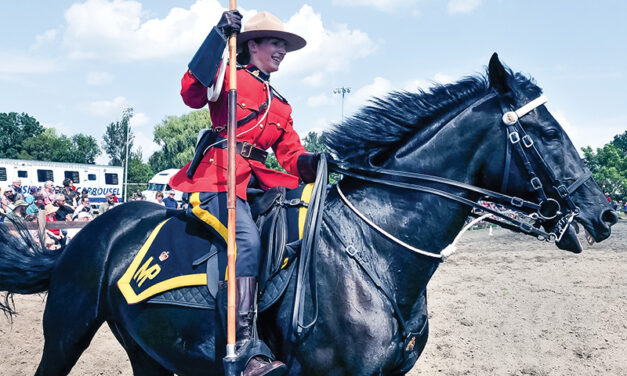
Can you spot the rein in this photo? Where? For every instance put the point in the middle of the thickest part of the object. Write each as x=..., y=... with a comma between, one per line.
x=546, y=209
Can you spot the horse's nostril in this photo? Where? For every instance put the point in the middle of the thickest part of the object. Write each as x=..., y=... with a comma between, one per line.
x=609, y=217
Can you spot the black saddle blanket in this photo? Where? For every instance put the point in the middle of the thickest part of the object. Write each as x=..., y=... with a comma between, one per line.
x=178, y=265
x=175, y=255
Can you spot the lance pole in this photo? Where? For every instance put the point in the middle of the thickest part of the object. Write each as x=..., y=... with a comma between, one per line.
x=231, y=196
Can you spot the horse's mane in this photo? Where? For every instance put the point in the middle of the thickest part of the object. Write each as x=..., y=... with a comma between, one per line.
x=386, y=122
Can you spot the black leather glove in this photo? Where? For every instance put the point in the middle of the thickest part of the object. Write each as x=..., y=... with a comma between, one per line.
x=230, y=22
x=307, y=165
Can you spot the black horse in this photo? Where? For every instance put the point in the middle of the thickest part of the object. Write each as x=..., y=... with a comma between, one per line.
x=384, y=227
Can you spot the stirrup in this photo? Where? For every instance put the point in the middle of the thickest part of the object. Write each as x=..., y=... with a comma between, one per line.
x=258, y=366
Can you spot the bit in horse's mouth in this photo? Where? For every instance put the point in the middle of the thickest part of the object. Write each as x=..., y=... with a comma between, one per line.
x=588, y=237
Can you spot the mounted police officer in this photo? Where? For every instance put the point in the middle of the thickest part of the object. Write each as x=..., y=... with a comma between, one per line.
x=263, y=121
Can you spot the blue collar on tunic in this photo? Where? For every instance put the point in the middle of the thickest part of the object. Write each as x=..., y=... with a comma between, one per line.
x=257, y=72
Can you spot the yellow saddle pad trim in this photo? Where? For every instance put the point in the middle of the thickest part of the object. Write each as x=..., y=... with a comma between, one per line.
x=302, y=211
x=139, y=271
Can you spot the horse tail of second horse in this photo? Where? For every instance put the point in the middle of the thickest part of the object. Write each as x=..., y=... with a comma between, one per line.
x=25, y=267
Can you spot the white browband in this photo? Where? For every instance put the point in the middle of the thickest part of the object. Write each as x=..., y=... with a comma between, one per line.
x=512, y=117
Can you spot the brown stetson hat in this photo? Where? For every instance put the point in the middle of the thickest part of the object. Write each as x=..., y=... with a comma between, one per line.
x=267, y=25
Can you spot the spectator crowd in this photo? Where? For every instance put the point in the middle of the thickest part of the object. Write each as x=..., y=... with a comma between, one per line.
x=57, y=203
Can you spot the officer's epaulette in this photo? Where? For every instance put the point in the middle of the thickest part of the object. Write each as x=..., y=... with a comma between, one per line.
x=278, y=96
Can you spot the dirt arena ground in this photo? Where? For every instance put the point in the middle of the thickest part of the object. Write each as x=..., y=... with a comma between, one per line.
x=505, y=304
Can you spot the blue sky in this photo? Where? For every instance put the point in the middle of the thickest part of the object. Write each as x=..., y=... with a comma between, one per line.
x=74, y=65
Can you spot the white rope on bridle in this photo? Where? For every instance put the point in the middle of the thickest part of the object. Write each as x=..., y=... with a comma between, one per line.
x=443, y=255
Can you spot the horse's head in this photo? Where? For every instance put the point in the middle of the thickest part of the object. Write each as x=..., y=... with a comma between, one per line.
x=480, y=137
x=542, y=165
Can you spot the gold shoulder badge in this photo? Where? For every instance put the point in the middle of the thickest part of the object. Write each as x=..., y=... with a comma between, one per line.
x=255, y=72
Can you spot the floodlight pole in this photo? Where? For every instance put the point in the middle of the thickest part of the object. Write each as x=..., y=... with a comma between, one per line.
x=126, y=164
x=343, y=91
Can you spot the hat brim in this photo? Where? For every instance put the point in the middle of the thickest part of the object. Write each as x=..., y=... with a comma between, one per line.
x=293, y=41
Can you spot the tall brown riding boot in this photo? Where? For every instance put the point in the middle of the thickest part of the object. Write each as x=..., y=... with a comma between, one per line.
x=246, y=329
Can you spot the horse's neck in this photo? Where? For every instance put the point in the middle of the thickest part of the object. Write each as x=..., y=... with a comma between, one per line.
x=425, y=221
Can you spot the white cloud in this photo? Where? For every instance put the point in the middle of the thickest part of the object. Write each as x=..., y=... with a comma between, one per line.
x=327, y=51
x=442, y=78
x=145, y=141
x=322, y=99
x=383, y=5
x=463, y=6
x=12, y=62
x=113, y=107
x=378, y=88
x=138, y=120
x=119, y=30
x=99, y=78
x=316, y=79
x=438, y=78
x=45, y=38
x=414, y=85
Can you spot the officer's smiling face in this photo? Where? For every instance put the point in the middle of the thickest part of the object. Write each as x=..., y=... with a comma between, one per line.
x=268, y=54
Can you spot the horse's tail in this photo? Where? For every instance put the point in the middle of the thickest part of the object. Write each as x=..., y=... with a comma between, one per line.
x=25, y=267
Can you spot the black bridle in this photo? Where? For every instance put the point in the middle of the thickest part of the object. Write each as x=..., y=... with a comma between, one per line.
x=535, y=213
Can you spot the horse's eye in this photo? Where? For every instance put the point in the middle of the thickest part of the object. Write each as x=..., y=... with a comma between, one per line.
x=551, y=135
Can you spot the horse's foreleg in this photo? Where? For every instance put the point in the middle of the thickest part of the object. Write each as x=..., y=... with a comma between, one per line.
x=142, y=363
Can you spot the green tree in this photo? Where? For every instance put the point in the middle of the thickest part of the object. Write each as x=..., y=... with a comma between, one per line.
x=609, y=168
x=84, y=149
x=313, y=143
x=116, y=136
x=620, y=141
x=14, y=129
x=47, y=146
x=138, y=173
x=177, y=137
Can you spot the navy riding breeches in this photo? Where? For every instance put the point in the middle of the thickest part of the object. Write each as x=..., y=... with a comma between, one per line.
x=210, y=208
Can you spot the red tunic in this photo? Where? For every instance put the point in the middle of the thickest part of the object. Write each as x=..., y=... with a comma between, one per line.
x=275, y=131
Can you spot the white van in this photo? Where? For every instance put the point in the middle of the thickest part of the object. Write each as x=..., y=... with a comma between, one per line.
x=159, y=183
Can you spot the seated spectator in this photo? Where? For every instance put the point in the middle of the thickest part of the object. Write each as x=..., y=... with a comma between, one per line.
x=50, y=213
x=107, y=205
x=19, y=208
x=9, y=199
x=37, y=205
x=48, y=192
x=17, y=189
x=84, y=204
x=159, y=198
x=170, y=202
x=85, y=215
x=69, y=191
x=29, y=196
x=63, y=212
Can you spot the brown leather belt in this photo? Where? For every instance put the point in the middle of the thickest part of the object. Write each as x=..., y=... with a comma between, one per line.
x=245, y=149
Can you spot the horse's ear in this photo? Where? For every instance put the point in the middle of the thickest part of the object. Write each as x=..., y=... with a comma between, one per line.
x=498, y=75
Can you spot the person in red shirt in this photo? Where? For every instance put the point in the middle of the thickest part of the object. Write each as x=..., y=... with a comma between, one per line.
x=263, y=121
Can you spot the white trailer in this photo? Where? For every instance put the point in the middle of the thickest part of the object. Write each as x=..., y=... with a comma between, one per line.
x=97, y=179
x=160, y=183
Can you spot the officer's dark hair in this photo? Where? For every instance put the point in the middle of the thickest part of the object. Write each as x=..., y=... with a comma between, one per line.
x=66, y=182
x=243, y=55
